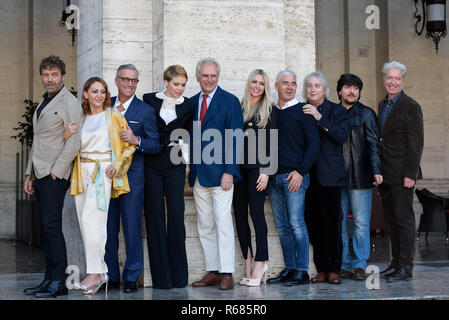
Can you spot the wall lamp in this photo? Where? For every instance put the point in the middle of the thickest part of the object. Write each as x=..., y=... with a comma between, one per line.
x=434, y=19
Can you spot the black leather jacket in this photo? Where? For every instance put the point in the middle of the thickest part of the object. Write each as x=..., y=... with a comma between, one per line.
x=362, y=149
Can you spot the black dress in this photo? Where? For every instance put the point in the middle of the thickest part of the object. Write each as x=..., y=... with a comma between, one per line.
x=166, y=236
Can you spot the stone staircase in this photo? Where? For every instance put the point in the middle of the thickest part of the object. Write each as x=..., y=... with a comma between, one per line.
x=195, y=254
x=194, y=250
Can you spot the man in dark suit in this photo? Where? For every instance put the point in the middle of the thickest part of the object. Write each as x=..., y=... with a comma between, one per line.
x=213, y=172
x=327, y=176
x=143, y=133
x=402, y=141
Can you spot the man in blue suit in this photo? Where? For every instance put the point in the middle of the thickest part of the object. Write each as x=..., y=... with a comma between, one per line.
x=142, y=132
x=213, y=172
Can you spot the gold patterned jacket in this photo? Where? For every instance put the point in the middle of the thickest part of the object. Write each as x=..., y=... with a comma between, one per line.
x=122, y=153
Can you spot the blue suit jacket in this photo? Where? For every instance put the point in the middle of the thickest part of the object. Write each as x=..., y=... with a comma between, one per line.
x=330, y=165
x=142, y=121
x=224, y=112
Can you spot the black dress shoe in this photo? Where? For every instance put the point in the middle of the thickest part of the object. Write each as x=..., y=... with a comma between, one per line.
x=283, y=277
x=302, y=277
x=400, y=275
x=389, y=271
x=130, y=287
x=32, y=291
x=53, y=290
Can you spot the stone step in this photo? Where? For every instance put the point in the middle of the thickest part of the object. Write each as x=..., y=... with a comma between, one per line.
x=195, y=254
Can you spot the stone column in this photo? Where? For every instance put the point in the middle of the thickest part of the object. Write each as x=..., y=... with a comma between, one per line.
x=242, y=36
x=111, y=33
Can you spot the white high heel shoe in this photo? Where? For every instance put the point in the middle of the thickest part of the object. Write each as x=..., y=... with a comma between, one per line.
x=245, y=279
x=93, y=290
x=255, y=282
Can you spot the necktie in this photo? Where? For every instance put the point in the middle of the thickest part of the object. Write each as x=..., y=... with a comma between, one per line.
x=203, y=108
x=121, y=108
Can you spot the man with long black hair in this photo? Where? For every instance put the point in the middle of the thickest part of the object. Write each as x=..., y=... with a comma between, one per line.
x=361, y=152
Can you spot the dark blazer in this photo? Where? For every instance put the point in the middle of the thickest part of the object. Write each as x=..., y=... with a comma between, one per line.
x=142, y=121
x=333, y=133
x=402, y=141
x=362, y=149
x=184, y=117
x=251, y=125
x=224, y=112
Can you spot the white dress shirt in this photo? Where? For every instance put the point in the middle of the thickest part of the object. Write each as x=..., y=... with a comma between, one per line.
x=168, y=108
x=288, y=104
x=125, y=104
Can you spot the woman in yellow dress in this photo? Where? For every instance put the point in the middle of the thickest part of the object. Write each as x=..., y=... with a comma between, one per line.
x=99, y=173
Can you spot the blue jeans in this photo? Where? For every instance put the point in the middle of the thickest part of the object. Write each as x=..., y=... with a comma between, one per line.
x=360, y=203
x=288, y=213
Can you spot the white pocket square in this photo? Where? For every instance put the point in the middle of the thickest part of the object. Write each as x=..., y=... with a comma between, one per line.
x=133, y=121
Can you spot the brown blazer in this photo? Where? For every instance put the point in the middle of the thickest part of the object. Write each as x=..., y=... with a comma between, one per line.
x=50, y=153
x=402, y=141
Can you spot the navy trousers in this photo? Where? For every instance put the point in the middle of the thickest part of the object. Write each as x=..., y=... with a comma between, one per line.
x=129, y=206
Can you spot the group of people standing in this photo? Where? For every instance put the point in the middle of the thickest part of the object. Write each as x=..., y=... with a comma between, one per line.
x=120, y=151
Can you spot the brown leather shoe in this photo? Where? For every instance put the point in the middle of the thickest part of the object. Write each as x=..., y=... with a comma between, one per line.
x=334, y=278
x=320, y=277
x=209, y=279
x=345, y=274
x=226, y=283
x=359, y=274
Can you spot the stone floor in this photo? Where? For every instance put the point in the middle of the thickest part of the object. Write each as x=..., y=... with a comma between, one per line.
x=21, y=267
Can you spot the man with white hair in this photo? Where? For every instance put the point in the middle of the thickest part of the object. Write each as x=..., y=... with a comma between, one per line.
x=327, y=176
x=402, y=141
x=216, y=111
x=298, y=147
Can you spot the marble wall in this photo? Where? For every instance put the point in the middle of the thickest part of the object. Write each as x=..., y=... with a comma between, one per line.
x=241, y=35
x=29, y=32
x=344, y=44
x=427, y=82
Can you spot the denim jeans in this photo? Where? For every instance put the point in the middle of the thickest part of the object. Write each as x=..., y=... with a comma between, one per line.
x=288, y=213
x=359, y=200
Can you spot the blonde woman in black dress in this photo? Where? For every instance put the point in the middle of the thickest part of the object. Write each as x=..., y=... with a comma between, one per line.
x=250, y=191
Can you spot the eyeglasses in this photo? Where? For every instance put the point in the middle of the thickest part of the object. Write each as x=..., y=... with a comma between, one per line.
x=128, y=80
